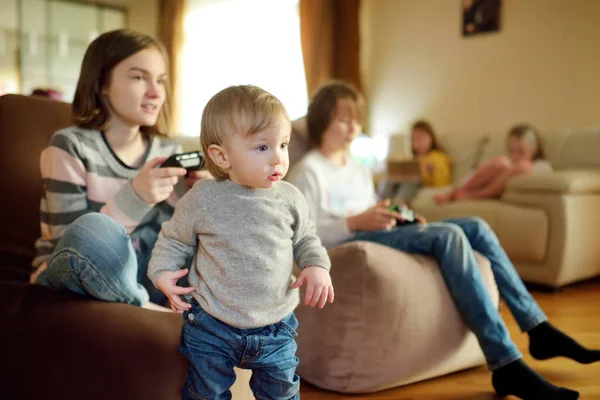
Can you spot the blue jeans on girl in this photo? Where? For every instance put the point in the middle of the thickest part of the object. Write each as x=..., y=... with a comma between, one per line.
x=452, y=243
x=95, y=257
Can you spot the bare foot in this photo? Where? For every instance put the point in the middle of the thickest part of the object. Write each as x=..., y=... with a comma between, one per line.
x=461, y=196
x=156, y=307
x=443, y=198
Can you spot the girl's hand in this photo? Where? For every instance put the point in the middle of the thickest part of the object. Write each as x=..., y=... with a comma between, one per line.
x=167, y=283
x=195, y=176
x=376, y=218
x=154, y=185
x=319, y=288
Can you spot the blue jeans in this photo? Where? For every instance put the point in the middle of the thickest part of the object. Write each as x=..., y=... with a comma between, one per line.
x=452, y=243
x=95, y=257
x=213, y=348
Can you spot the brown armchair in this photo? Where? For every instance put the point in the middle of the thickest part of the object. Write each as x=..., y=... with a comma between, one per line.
x=54, y=344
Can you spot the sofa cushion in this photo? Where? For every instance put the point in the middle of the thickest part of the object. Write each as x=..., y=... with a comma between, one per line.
x=569, y=181
x=579, y=149
x=523, y=230
x=465, y=151
x=299, y=142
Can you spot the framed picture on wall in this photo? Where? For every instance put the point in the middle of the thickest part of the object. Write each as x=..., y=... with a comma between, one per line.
x=480, y=16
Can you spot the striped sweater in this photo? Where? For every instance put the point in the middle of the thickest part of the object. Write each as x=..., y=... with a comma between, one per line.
x=82, y=174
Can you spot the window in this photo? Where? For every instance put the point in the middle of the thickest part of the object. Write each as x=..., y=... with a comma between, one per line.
x=41, y=46
x=232, y=42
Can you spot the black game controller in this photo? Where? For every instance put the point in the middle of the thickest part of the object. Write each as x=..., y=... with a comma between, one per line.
x=191, y=161
x=408, y=215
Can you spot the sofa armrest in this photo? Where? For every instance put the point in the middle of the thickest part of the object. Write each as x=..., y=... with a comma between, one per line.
x=58, y=345
x=383, y=330
x=571, y=181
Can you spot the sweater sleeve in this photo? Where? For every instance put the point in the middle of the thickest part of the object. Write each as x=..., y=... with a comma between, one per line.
x=177, y=239
x=308, y=250
x=331, y=229
x=127, y=208
x=64, y=177
x=65, y=196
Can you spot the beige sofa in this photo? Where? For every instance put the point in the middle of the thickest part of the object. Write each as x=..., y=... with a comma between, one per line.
x=549, y=224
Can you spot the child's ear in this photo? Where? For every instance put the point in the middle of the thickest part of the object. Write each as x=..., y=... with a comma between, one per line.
x=218, y=154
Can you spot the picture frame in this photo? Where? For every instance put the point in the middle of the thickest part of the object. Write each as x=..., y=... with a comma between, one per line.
x=480, y=16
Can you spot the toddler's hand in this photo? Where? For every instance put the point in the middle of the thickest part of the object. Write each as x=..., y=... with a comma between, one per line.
x=167, y=283
x=318, y=286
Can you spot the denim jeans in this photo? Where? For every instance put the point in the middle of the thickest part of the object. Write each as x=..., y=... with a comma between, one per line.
x=213, y=348
x=452, y=243
x=95, y=257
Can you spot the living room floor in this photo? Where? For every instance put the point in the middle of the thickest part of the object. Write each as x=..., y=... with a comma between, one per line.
x=575, y=309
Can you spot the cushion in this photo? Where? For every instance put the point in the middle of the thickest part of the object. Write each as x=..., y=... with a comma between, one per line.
x=299, y=142
x=393, y=322
x=465, y=151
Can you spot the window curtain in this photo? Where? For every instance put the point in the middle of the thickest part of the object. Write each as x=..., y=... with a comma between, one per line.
x=171, y=35
x=330, y=41
x=233, y=42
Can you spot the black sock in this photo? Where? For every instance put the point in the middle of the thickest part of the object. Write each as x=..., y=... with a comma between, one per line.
x=545, y=341
x=519, y=380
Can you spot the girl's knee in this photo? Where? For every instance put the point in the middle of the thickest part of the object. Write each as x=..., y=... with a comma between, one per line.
x=98, y=222
x=501, y=162
x=450, y=231
x=98, y=235
x=478, y=224
x=522, y=167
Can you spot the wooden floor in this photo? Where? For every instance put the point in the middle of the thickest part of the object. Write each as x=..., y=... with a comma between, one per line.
x=575, y=310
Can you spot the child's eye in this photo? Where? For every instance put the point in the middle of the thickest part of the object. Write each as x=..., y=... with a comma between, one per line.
x=138, y=78
x=161, y=81
x=284, y=145
x=262, y=148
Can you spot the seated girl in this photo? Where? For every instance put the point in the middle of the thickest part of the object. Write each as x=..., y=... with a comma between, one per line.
x=435, y=165
x=525, y=156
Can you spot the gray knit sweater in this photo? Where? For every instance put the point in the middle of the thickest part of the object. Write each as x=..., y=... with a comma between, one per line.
x=245, y=242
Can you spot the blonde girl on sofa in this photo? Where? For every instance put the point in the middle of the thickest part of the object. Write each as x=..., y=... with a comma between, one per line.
x=343, y=205
x=104, y=199
x=525, y=156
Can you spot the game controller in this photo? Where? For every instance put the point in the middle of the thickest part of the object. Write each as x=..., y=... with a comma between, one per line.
x=408, y=215
x=191, y=161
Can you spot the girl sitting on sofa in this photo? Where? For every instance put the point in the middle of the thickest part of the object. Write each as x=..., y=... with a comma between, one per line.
x=525, y=156
x=104, y=199
x=435, y=165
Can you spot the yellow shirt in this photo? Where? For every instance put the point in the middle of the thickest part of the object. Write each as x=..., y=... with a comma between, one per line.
x=435, y=168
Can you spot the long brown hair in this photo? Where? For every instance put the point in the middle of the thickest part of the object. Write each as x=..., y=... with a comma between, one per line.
x=425, y=126
x=528, y=132
x=323, y=104
x=90, y=106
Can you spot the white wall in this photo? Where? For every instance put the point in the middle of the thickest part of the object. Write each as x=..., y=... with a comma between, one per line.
x=542, y=67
